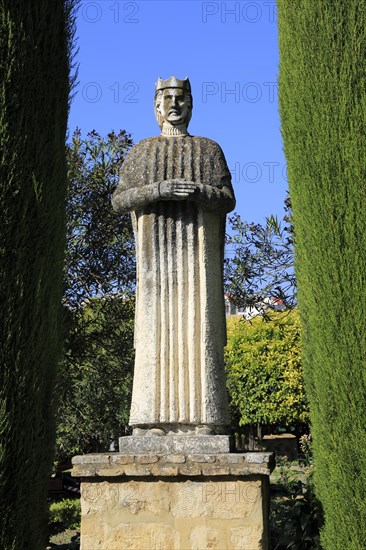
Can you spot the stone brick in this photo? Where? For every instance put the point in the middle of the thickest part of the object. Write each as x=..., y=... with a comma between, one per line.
x=202, y=458
x=87, y=470
x=92, y=458
x=137, y=470
x=122, y=459
x=190, y=470
x=164, y=470
x=112, y=471
x=258, y=458
x=215, y=470
x=231, y=458
x=146, y=459
x=174, y=459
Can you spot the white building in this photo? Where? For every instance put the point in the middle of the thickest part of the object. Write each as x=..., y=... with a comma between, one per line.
x=249, y=312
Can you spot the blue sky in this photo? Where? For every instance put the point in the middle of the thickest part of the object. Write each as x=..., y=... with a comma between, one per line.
x=228, y=50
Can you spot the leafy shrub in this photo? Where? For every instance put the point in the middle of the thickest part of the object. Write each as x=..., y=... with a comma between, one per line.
x=264, y=370
x=65, y=514
x=296, y=516
x=306, y=447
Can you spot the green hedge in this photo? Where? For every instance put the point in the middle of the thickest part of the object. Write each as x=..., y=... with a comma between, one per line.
x=323, y=111
x=35, y=58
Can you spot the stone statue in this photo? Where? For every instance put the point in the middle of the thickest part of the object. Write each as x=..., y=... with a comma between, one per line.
x=178, y=190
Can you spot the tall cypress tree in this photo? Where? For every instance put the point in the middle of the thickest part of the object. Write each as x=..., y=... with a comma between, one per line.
x=35, y=61
x=323, y=111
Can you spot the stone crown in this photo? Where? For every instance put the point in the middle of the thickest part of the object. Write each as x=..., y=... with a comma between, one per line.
x=173, y=82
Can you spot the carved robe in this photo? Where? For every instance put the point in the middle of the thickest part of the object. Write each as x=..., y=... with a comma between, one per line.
x=180, y=328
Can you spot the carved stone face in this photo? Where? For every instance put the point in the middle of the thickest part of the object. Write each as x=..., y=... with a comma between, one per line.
x=174, y=107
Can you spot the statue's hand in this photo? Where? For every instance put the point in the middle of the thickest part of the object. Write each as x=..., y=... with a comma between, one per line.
x=177, y=189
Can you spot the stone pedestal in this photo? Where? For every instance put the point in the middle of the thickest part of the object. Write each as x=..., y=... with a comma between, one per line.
x=174, y=502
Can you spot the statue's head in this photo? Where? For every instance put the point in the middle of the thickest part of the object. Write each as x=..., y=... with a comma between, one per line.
x=173, y=103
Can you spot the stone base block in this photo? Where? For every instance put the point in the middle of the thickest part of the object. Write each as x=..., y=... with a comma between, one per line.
x=166, y=444
x=174, y=502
